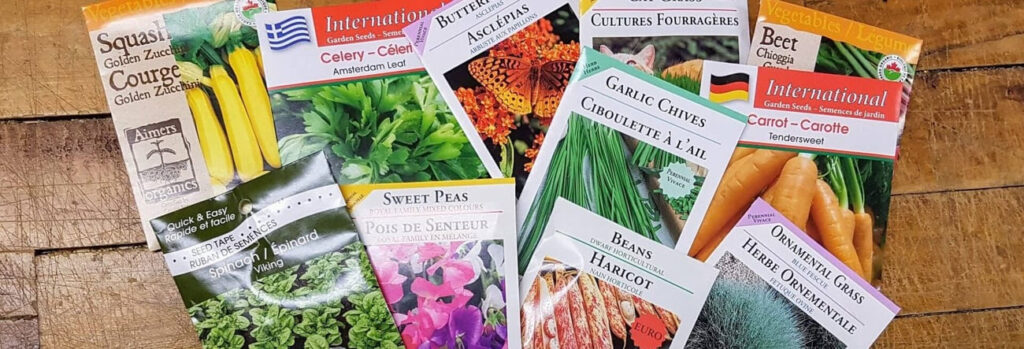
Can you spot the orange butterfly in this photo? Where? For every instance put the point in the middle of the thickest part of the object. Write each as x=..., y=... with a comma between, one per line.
x=521, y=87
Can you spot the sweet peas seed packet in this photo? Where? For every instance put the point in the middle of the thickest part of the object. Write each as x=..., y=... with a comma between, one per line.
x=777, y=287
x=632, y=148
x=345, y=80
x=595, y=284
x=503, y=68
x=445, y=254
x=277, y=263
x=669, y=40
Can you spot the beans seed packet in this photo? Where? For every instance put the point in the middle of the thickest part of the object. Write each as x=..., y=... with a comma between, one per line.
x=503, y=68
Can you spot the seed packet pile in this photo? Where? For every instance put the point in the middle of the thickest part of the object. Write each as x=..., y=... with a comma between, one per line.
x=343, y=79
x=632, y=148
x=277, y=263
x=777, y=287
x=446, y=257
x=595, y=284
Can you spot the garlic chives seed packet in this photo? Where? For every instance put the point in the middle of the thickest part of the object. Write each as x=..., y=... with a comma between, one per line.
x=277, y=263
x=445, y=254
x=778, y=287
x=345, y=80
x=146, y=97
x=669, y=40
x=595, y=284
x=502, y=66
x=632, y=148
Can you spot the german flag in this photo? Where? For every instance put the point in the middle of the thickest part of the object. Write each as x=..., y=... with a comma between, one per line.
x=732, y=87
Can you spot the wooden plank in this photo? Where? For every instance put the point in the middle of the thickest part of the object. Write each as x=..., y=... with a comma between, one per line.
x=956, y=251
x=956, y=33
x=47, y=67
x=17, y=285
x=110, y=298
x=63, y=184
x=980, y=329
x=19, y=334
x=962, y=132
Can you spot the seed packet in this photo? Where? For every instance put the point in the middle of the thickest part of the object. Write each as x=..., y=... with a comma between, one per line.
x=153, y=123
x=813, y=142
x=217, y=52
x=779, y=288
x=795, y=37
x=277, y=263
x=595, y=284
x=344, y=79
x=446, y=257
x=502, y=67
x=632, y=148
x=669, y=40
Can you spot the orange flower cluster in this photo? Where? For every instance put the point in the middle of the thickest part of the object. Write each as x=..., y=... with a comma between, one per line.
x=533, y=152
x=491, y=119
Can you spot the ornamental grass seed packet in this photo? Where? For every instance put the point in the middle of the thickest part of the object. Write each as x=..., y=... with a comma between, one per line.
x=345, y=80
x=795, y=37
x=146, y=96
x=777, y=287
x=669, y=40
x=277, y=263
x=819, y=148
x=502, y=66
x=595, y=284
x=445, y=254
x=632, y=148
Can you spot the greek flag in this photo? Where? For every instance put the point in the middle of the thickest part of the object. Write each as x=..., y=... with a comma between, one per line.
x=288, y=32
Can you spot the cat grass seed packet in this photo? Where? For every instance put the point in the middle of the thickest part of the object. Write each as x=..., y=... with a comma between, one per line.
x=503, y=68
x=445, y=253
x=632, y=148
x=344, y=79
x=595, y=284
x=795, y=37
x=277, y=263
x=669, y=40
x=779, y=288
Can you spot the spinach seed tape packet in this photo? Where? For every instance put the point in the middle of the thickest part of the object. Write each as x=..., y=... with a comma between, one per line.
x=595, y=284
x=777, y=287
x=795, y=37
x=502, y=66
x=812, y=140
x=277, y=263
x=147, y=103
x=632, y=148
x=669, y=40
x=345, y=80
x=445, y=254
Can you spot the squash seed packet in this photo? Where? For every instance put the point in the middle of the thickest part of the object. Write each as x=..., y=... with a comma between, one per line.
x=632, y=148
x=277, y=263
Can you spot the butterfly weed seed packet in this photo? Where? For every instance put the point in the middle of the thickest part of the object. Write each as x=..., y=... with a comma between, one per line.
x=777, y=287
x=595, y=284
x=815, y=145
x=344, y=79
x=795, y=37
x=669, y=40
x=502, y=67
x=445, y=253
x=632, y=148
x=277, y=263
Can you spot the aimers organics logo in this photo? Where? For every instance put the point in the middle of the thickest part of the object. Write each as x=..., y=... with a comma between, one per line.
x=246, y=10
x=893, y=68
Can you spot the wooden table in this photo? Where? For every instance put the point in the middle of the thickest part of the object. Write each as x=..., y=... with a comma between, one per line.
x=74, y=271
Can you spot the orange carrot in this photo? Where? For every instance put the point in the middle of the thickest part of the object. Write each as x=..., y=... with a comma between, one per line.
x=812, y=230
x=740, y=153
x=740, y=185
x=793, y=191
x=863, y=230
x=713, y=244
x=835, y=224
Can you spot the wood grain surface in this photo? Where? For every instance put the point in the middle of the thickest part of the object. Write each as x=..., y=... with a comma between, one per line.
x=74, y=271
